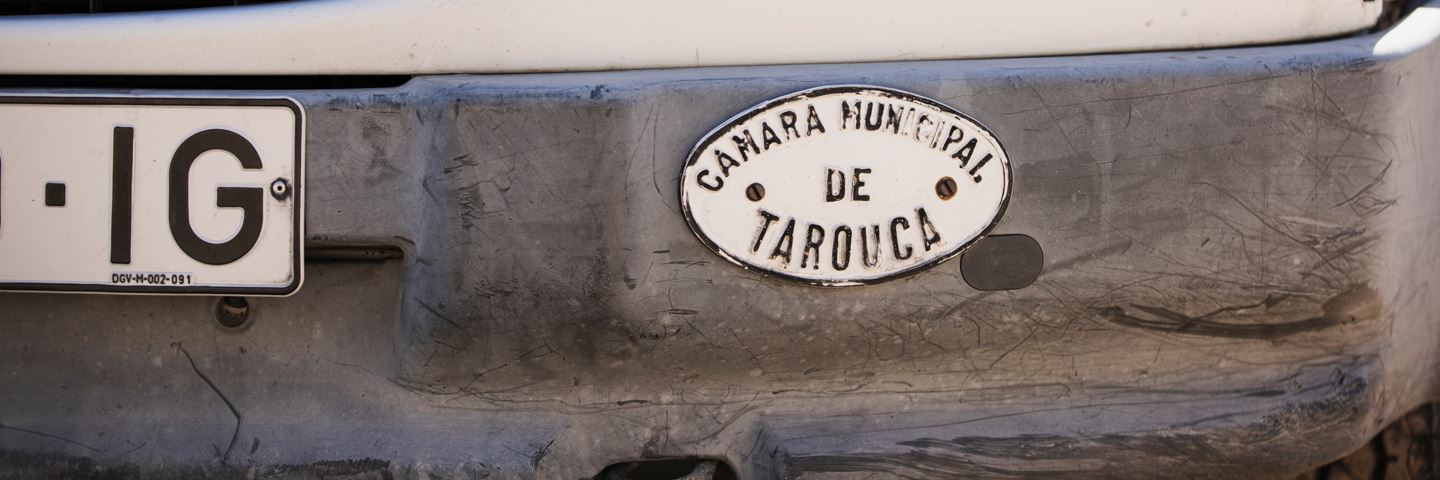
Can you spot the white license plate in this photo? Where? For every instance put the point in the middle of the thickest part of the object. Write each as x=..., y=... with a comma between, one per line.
x=151, y=195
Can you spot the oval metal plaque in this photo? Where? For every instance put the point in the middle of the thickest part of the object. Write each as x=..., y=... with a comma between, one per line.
x=845, y=185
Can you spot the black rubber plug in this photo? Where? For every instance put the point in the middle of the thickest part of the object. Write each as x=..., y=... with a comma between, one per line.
x=1002, y=262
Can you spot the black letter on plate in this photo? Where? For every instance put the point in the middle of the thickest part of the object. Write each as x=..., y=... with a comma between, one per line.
x=835, y=256
x=834, y=185
x=871, y=259
x=814, y=237
x=766, y=218
x=785, y=243
x=859, y=182
x=123, y=165
x=927, y=229
x=248, y=198
x=895, y=227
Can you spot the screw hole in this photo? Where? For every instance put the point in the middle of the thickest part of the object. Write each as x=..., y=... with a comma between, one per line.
x=280, y=189
x=232, y=312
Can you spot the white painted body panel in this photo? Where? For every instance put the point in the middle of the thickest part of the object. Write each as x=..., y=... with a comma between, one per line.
x=488, y=36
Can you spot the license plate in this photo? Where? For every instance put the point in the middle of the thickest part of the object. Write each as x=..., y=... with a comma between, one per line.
x=151, y=195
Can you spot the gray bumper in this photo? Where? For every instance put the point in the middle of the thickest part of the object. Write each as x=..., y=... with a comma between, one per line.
x=1243, y=261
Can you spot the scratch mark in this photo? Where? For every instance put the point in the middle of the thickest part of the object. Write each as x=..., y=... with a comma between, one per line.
x=537, y=352
x=480, y=375
x=1151, y=95
x=540, y=454
x=234, y=436
x=137, y=447
x=436, y=313
x=1354, y=304
x=49, y=436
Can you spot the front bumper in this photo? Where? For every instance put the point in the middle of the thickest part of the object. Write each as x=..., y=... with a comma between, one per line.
x=1242, y=262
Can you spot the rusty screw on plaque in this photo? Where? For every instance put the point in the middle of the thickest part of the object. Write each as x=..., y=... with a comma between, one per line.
x=945, y=188
x=755, y=192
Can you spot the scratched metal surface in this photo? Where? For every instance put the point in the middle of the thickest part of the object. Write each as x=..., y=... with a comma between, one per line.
x=1241, y=273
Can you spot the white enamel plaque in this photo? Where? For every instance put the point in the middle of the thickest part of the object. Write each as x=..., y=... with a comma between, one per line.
x=845, y=185
x=151, y=195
